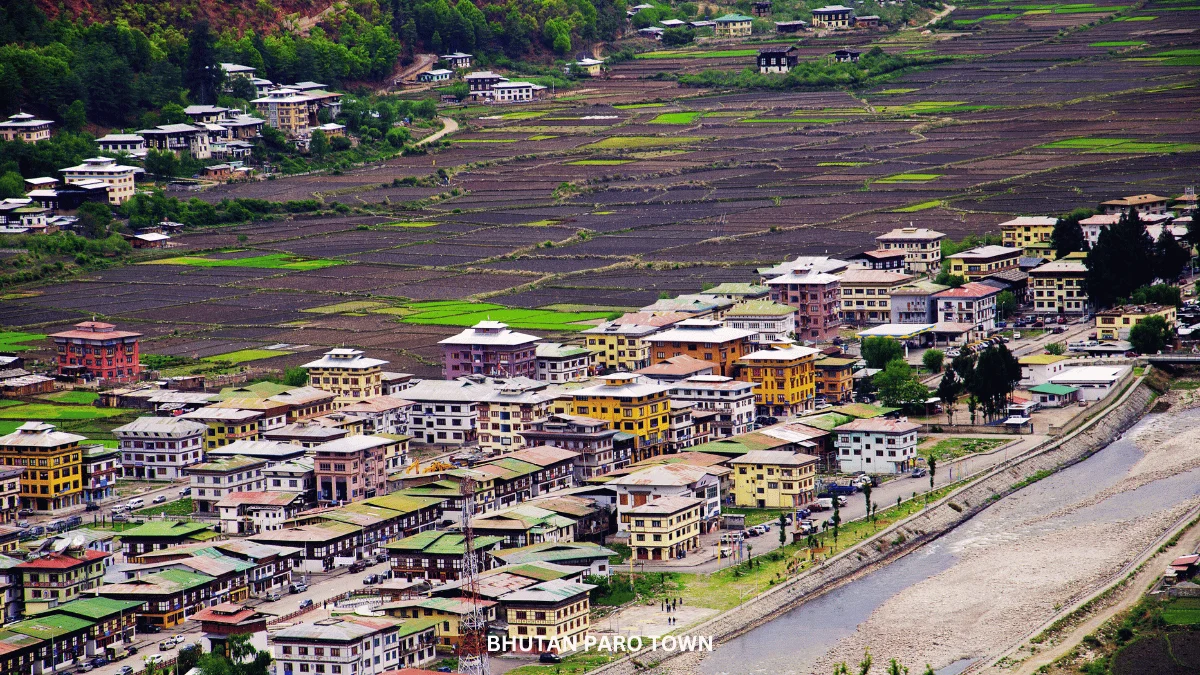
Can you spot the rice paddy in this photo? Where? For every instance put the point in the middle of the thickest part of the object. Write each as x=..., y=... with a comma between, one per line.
x=14, y=340
x=460, y=313
x=635, y=142
x=245, y=356
x=676, y=118
x=1120, y=145
x=271, y=261
x=910, y=178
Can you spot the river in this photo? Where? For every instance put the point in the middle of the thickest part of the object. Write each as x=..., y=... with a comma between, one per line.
x=798, y=643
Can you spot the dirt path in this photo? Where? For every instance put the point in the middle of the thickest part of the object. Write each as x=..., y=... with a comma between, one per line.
x=449, y=126
x=936, y=17
x=420, y=64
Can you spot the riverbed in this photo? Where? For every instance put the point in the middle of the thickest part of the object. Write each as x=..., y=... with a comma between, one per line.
x=980, y=588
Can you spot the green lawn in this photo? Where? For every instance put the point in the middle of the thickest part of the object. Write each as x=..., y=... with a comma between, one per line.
x=953, y=448
x=574, y=664
x=179, y=507
x=78, y=396
x=12, y=340
x=244, y=355
x=676, y=118
x=600, y=162
x=272, y=261
x=1119, y=145
x=759, y=516
x=460, y=313
x=52, y=412
x=9, y=426
x=1182, y=612
x=635, y=142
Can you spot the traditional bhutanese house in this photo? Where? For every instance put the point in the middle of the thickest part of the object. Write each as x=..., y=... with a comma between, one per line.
x=113, y=621
x=555, y=467
x=591, y=519
x=60, y=640
x=593, y=557
x=448, y=612
x=552, y=610
x=436, y=555
x=269, y=566
x=169, y=597
x=220, y=621
x=322, y=544
x=495, y=583
x=156, y=535
x=525, y=524
x=777, y=58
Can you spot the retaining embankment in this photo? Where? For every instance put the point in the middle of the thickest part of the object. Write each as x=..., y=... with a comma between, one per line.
x=910, y=534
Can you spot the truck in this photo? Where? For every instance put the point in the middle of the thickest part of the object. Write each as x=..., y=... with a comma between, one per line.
x=822, y=504
x=839, y=489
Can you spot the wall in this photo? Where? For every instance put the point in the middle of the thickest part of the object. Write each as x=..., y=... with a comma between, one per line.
x=916, y=531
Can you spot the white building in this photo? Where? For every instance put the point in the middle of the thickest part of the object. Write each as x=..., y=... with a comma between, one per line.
x=670, y=480
x=972, y=303
x=771, y=322
x=129, y=144
x=515, y=92
x=876, y=445
x=118, y=177
x=446, y=411
x=922, y=248
x=733, y=400
x=158, y=448
x=557, y=362
x=253, y=512
x=382, y=414
x=1039, y=368
x=354, y=645
x=1093, y=382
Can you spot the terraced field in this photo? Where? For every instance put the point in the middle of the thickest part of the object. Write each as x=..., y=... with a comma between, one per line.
x=630, y=187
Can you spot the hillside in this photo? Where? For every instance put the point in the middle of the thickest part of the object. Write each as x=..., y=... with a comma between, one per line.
x=238, y=15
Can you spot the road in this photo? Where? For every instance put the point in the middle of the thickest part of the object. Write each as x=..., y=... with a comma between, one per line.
x=168, y=490
x=449, y=126
x=420, y=64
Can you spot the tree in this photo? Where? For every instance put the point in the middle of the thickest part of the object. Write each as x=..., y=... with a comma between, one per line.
x=1170, y=257
x=952, y=280
x=397, y=137
x=295, y=377
x=203, y=73
x=12, y=184
x=74, y=116
x=898, y=386
x=836, y=519
x=318, y=145
x=1150, y=335
x=879, y=351
x=95, y=218
x=676, y=37
x=238, y=657
x=782, y=530
x=932, y=359
x=188, y=658
x=928, y=670
x=932, y=470
x=1067, y=236
x=1006, y=304
x=1055, y=348
x=997, y=373
x=1121, y=261
x=948, y=390
x=1158, y=294
x=162, y=164
x=866, y=490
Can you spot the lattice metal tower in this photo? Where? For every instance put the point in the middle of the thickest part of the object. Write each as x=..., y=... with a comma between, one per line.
x=472, y=655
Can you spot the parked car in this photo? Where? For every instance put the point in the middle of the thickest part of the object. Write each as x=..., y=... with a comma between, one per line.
x=154, y=658
x=119, y=518
x=185, y=492
x=23, y=524
x=752, y=531
x=371, y=580
x=725, y=552
x=160, y=499
x=381, y=558
x=166, y=645
x=299, y=587
x=918, y=472
x=357, y=566
x=99, y=661
x=1016, y=335
x=274, y=596
x=731, y=537
x=549, y=657
x=135, y=503
x=149, y=628
x=306, y=603
x=807, y=527
x=91, y=506
x=85, y=666
x=125, y=670
x=1058, y=330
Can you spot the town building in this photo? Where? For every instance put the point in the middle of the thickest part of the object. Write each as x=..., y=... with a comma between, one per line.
x=113, y=621
x=355, y=645
x=1039, y=368
x=118, y=177
x=225, y=425
x=437, y=555
x=274, y=414
x=381, y=414
x=739, y=291
x=702, y=339
x=160, y=535
x=833, y=16
x=1143, y=204
x=298, y=475
x=253, y=512
x=1032, y=234
x=525, y=524
x=457, y=60
x=666, y=528
x=272, y=452
x=866, y=294
x=817, y=297
x=778, y=58
x=771, y=322
x=436, y=75
x=53, y=462
x=880, y=260
x=972, y=303
x=632, y=406
x=167, y=597
x=877, y=445
x=554, y=468
x=621, y=346
x=288, y=110
x=44, y=644
x=352, y=468
x=1054, y=395
x=977, y=263
x=834, y=379
x=732, y=401
x=1093, y=382
x=212, y=480
x=222, y=620
x=323, y=546
x=1060, y=288
x=1115, y=323
x=670, y=480
x=733, y=25
x=51, y=579
x=677, y=368
x=489, y=348
x=101, y=466
x=10, y=494
x=447, y=613
x=97, y=350
x=159, y=448
x=804, y=264
x=588, y=66
x=696, y=305
x=590, y=437
x=348, y=374
x=1092, y=226
x=306, y=402
x=913, y=302
x=557, y=362
x=25, y=128
x=773, y=479
x=446, y=412
x=306, y=434
x=589, y=555
x=784, y=378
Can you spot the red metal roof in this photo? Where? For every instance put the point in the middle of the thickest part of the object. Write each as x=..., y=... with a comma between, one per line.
x=60, y=561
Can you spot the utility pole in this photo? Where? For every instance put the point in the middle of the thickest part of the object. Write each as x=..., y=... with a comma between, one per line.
x=473, y=656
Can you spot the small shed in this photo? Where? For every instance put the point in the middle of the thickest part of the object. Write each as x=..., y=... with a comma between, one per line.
x=846, y=55
x=1054, y=395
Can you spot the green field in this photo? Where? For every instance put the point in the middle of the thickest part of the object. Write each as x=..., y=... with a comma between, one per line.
x=676, y=118
x=401, y=223
x=635, y=106
x=179, y=507
x=52, y=412
x=919, y=207
x=842, y=163
x=524, y=115
x=792, y=120
x=1118, y=43
x=272, y=261
x=1135, y=18
x=460, y=313
x=1182, y=612
x=953, y=448
x=486, y=140
x=11, y=340
x=541, y=137
x=635, y=142
x=890, y=92
x=1119, y=145
x=80, y=397
x=910, y=178
x=348, y=306
x=716, y=54
x=245, y=355
x=600, y=162
x=931, y=108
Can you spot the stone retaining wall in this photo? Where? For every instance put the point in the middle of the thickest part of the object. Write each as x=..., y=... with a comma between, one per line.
x=914, y=532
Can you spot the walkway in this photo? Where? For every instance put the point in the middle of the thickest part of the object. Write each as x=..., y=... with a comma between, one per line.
x=449, y=126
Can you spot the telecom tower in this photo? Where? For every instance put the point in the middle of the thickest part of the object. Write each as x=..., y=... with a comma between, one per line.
x=472, y=654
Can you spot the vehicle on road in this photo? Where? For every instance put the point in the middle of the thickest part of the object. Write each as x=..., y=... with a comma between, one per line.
x=99, y=661
x=371, y=580
x=822, y=504
x=125, y=670
x=166, y=645
x=918, y=472
x=549, y=657
x=807, y=527
x=841, y=499
x=725, y=552
x=357, y=566
x=306, y=603
x=154, y=658
x=731, y=537
x=274, y=596
x=159, y=499
x=149, y=628
x=299, y=587
x=839, y=489
x=91, y=506
x=185, y=492
x=23, y=524
x=119, y=518
x=85, y=666
x=135, y=503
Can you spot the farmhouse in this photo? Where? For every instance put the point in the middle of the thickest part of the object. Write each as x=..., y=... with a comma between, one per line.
x=761, y=8
x=588, y=66
x=457, y=60
x=733, y=25
x=777, y=59
x=1143, y=204
x=480, y=83
x=833, y=16
x=118, y=177
x=178, y=138
x=515, y=92
x=25, y=127
x=846, y=55
x=790, y=26
x=129, y=144
x=438, y=75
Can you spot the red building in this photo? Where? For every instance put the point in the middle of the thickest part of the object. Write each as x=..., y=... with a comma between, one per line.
x=220, y=621
x=96, y=350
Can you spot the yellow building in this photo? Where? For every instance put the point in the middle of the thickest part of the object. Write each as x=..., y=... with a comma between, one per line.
x=703, y=339
x=348, y=374
x=588, y=66
x=288, y=110
x=448, y=612
x=866, y=294
x=922, y=248
x=1059, y=287
x=773, y=479
x=118, y=177
x=503, y=415
x=620, y=346
x=226, y=425
x=980, y=262
x=784, y=377
x=25, y=127
x=555, y=609
x=665, y=528
x=633, y=406
x=733, y=25
x=1114, y=324
x=1032, y=234
x=835, y=379
x=56, y=578
x=53, y=464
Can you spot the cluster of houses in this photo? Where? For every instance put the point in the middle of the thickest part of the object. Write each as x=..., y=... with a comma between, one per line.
x=829, y=17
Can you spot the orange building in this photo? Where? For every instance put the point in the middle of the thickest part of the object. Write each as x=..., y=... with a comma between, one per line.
x=702, y=339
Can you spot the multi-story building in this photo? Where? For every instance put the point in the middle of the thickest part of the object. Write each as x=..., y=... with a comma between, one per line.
x=554, y=468
x=226, y=425
x=178, y=139
x=507, y=412
x=447, y=613
x=885, y=260
x=557, y=362
x=158, y=448
x=159, y=535
x=167, y=597
x=773, y=479
x=866, y=294
x=739, y=291
x=973, y=303
x=274, y=413
x=670, y=480
x=1115, y=323
x=877, y=445
x=306, y=402
x=53, y=463
x=677, y=368
x=381, y=414
x=913, y=303
x=666, y=528
x=306, y=434
x=977, y=263
x=489, y=348
x=732, y=400
x=1031, y=234
x=118, y=177
x=356, y=645
x=590, y=437
x=253, y=512
x=835, y=379
x=638, y=408
x=437, y=555
x=555, y=610
x=1060, y=287
x=101, y=466
x=621, y=346
x=686, y=428
x=771, y=322
x=833, y=16
x=56, y=578
x=805, y=264
x=298, y=475
x=212, y=480
x=784, y=378
x=1039, y=368
x=702, y=339
x=272, y=452
x=113, y=621
x=446, y=412
x=348, y=374
x=291, y=111
x=25, y=127
x=10, y=493
x=817, y=297
x=95, y=349
x=45, y=644
x=733, y=25
x=777, y=58
x=351, y=468
x=695, y=305
x=1143, y=204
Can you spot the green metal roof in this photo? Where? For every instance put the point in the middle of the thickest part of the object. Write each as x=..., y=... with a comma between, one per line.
x=93, y=608
x=411, y=626
x=404, y=503
x=760, y=308
x=439, y=543
x=256, y=390
x=50, y=626
x=164, y=528
x=184, y=579
x=826, y=421
x=734, y=18
x=862, y=410
x=737, y=288
x=538, y=572
x=1053, y=389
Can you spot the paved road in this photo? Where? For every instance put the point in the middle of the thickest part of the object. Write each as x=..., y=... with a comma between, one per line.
x=449, y=126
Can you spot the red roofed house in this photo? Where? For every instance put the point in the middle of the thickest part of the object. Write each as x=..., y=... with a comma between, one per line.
x=972, y=303
x=96, y=350
x=877, y=445
x=57, y=578
x=218, y=622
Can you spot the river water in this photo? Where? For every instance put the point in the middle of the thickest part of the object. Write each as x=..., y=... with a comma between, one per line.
x=792, y=643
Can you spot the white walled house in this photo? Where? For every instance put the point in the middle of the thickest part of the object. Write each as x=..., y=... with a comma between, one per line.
x=1039, y=368
x=876, y=446
x=445, y=411
x=253, y=512
x=972, y=303
x=670, y=480
x=158, y=448
x=353, y=645
x=1093, y=382
x=733, y=400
